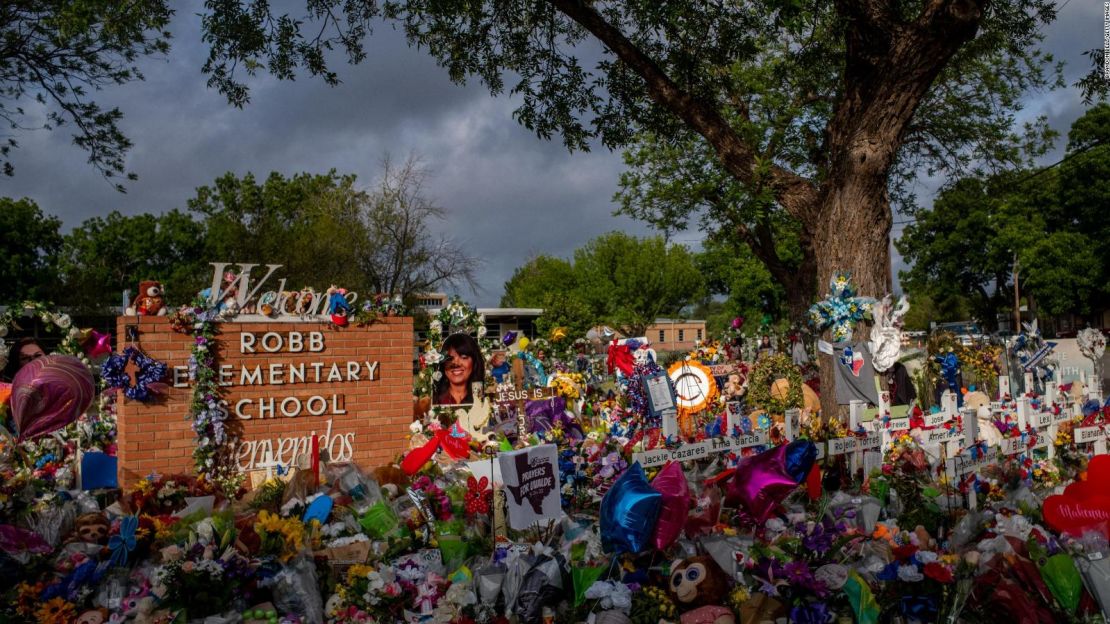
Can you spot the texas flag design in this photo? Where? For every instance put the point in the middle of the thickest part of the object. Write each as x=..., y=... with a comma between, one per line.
x=853, y=360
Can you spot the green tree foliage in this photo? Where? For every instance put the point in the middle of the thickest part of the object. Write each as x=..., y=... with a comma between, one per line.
x=805, y=106
x=615, y=278
x=1051, y=222
x=321, y=228
x=30, y=242
x=309, y=223
x=731, y=271
x=104, y=256
x=54, y=54
x=533, y=283
x=631, y=281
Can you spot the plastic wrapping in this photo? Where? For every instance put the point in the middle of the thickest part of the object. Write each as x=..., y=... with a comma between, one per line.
x=294, y=591
x=542, y=586
x=516, y=566
x=53, y=523
x=1094, y=569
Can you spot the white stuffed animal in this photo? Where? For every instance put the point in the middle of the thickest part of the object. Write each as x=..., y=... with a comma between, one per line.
x=886, y=335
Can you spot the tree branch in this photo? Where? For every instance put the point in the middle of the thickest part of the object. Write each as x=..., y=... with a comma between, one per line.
x=795, y=193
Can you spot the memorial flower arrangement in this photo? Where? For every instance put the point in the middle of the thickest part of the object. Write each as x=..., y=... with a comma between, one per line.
x=465, y=534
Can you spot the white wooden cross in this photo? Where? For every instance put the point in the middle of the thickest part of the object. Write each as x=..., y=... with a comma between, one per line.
x=1003, y=386
x=269, y=464
x=1095, y=434
x=965, y=463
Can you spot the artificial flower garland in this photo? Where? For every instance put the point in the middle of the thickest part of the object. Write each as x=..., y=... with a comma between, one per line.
x=212, y=457
x=455, y=317
x=767, y=370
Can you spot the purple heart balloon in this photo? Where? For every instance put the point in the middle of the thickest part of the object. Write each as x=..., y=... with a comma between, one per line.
x=48, y=393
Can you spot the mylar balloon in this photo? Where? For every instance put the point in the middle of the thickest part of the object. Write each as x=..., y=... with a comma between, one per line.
x=675, y=506
x=628, y=512
x=49, y=393
x=761, y=482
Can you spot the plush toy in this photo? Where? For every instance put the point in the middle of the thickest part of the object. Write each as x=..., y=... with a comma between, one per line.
x=93, y=616
x=91, y=528
x=697, y=582
x=148, y=301
x=708, y=615
x=338, y=306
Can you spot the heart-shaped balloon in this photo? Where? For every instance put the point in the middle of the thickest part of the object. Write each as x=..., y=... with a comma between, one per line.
x=48, y=393
x=675, y=506
x=1073, y=515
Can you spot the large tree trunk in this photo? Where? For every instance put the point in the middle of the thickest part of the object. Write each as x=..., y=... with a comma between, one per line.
x=890, y=67
x=854, y=238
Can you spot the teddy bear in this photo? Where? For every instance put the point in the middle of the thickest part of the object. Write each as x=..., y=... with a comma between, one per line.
x=697, y=582
x=148, y=301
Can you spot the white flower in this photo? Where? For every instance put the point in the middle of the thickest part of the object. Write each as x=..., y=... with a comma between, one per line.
x=926, y=556
x=910, y=574
x=432, y=357
x=436, y=376
x=416, y=427
x=63, y=321
x=436, y=326
x=206, y=530
x=482, y=331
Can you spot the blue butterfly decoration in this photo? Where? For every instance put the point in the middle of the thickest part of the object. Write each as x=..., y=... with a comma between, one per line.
x=123, y=543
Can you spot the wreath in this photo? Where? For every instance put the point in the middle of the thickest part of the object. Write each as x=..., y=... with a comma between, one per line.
x=455, y=317
x=148, y=377
x=767, y=370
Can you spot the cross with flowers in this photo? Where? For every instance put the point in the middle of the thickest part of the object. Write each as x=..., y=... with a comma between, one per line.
x=842, y=309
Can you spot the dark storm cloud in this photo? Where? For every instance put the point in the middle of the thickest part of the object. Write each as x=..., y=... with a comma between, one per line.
x=509, y=195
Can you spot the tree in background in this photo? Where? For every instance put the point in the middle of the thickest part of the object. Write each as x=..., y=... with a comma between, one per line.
x=104, y=256
x=615, y=278
x=31, y=242
x=749, y=291
x=536, y=280
x=1052, y=222
x=321, y=228
x=54, y=54
x=309, y=223
x=399, y=254
x=808, y=106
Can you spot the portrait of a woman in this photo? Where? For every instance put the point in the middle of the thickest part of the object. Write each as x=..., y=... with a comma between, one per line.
x=462, y=366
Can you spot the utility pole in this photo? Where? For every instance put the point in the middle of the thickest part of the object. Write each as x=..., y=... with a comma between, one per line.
x=1017, y=298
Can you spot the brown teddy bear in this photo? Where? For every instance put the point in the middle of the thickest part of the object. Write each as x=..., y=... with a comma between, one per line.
x=148, y=301
x=697, y=582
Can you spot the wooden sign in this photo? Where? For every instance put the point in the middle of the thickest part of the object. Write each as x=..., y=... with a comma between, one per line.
x=1091, y=435
x=699, y=450
x=722, y=370
x=532, y=394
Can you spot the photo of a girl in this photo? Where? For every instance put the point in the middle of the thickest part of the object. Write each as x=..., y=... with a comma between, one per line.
x=462, y=366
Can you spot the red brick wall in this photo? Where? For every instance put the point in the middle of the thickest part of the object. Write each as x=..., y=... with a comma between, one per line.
x=157, y=436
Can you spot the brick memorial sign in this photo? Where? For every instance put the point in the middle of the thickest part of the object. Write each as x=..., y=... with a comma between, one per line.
x=284, y=383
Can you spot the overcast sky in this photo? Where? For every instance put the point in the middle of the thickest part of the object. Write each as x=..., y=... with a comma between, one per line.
x=509, y=195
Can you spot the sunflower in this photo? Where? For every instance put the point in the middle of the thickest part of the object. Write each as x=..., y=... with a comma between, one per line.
x=56, y=611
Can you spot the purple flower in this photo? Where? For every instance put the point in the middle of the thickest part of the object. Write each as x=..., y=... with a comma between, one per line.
x=810, y=613
x=818, y=541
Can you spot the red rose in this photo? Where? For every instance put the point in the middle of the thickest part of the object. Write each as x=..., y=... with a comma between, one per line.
x=938, y=572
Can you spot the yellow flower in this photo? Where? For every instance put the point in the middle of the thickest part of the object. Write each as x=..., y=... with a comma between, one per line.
x=56, y=611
